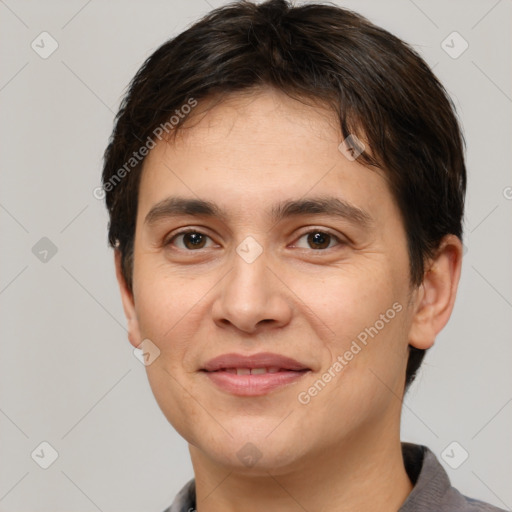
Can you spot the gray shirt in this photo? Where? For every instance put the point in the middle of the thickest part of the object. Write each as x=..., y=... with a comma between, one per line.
x=432, y=490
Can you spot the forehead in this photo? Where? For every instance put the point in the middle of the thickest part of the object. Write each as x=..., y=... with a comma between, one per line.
x=258, y=104
x=255, y=149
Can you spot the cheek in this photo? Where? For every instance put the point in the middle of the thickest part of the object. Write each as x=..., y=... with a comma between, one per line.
x=351, y=297
x=177, y=399
x=363, y=313
x=168, y=308
x=168, y=315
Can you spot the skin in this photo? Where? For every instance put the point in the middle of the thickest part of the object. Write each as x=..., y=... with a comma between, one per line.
x=341, y=451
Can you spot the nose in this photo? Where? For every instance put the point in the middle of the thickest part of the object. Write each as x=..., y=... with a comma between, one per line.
x=251, y=297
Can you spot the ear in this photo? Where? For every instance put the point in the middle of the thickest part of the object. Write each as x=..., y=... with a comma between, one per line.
x=435, y=297
x=128, y=303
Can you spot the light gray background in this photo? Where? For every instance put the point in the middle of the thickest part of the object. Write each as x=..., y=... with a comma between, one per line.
x=68, y=375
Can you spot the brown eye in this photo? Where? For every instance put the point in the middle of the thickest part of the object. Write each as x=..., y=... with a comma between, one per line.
x=318, y=240
x=191, y=240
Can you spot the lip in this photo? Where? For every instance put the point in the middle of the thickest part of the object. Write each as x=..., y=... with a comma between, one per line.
x=260, y=360
x=285, y=371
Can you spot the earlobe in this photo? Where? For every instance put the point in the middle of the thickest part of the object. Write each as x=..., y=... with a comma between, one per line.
x=128, y=303
x=436, y=295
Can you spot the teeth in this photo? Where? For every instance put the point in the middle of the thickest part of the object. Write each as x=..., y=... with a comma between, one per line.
x=253, y=371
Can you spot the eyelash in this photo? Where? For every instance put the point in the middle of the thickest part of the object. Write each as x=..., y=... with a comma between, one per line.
x=196, y=231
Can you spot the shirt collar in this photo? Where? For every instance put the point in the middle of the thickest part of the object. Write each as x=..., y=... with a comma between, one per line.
x=430, y=480
x=432, y=489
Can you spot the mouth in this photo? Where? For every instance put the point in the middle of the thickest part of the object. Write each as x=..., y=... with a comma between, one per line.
x=254, y=371
x=254, y=375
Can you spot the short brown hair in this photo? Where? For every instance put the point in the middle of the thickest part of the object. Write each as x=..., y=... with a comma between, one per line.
x=381, y=89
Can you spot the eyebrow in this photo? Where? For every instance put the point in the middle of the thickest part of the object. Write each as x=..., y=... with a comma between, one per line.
x=324, y=205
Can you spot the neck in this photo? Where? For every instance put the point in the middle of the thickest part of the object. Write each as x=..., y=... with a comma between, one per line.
x=362, y=474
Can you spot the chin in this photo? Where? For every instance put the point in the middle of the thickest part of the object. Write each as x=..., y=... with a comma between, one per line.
x=252, y=453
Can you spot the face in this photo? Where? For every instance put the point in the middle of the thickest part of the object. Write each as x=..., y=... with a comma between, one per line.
x=296, y=269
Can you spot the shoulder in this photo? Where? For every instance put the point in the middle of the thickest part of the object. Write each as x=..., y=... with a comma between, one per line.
x=457, y=502
x=432, y=488
x=185, y=500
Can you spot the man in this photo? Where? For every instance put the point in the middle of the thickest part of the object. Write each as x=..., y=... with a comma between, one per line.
x=286, y=191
